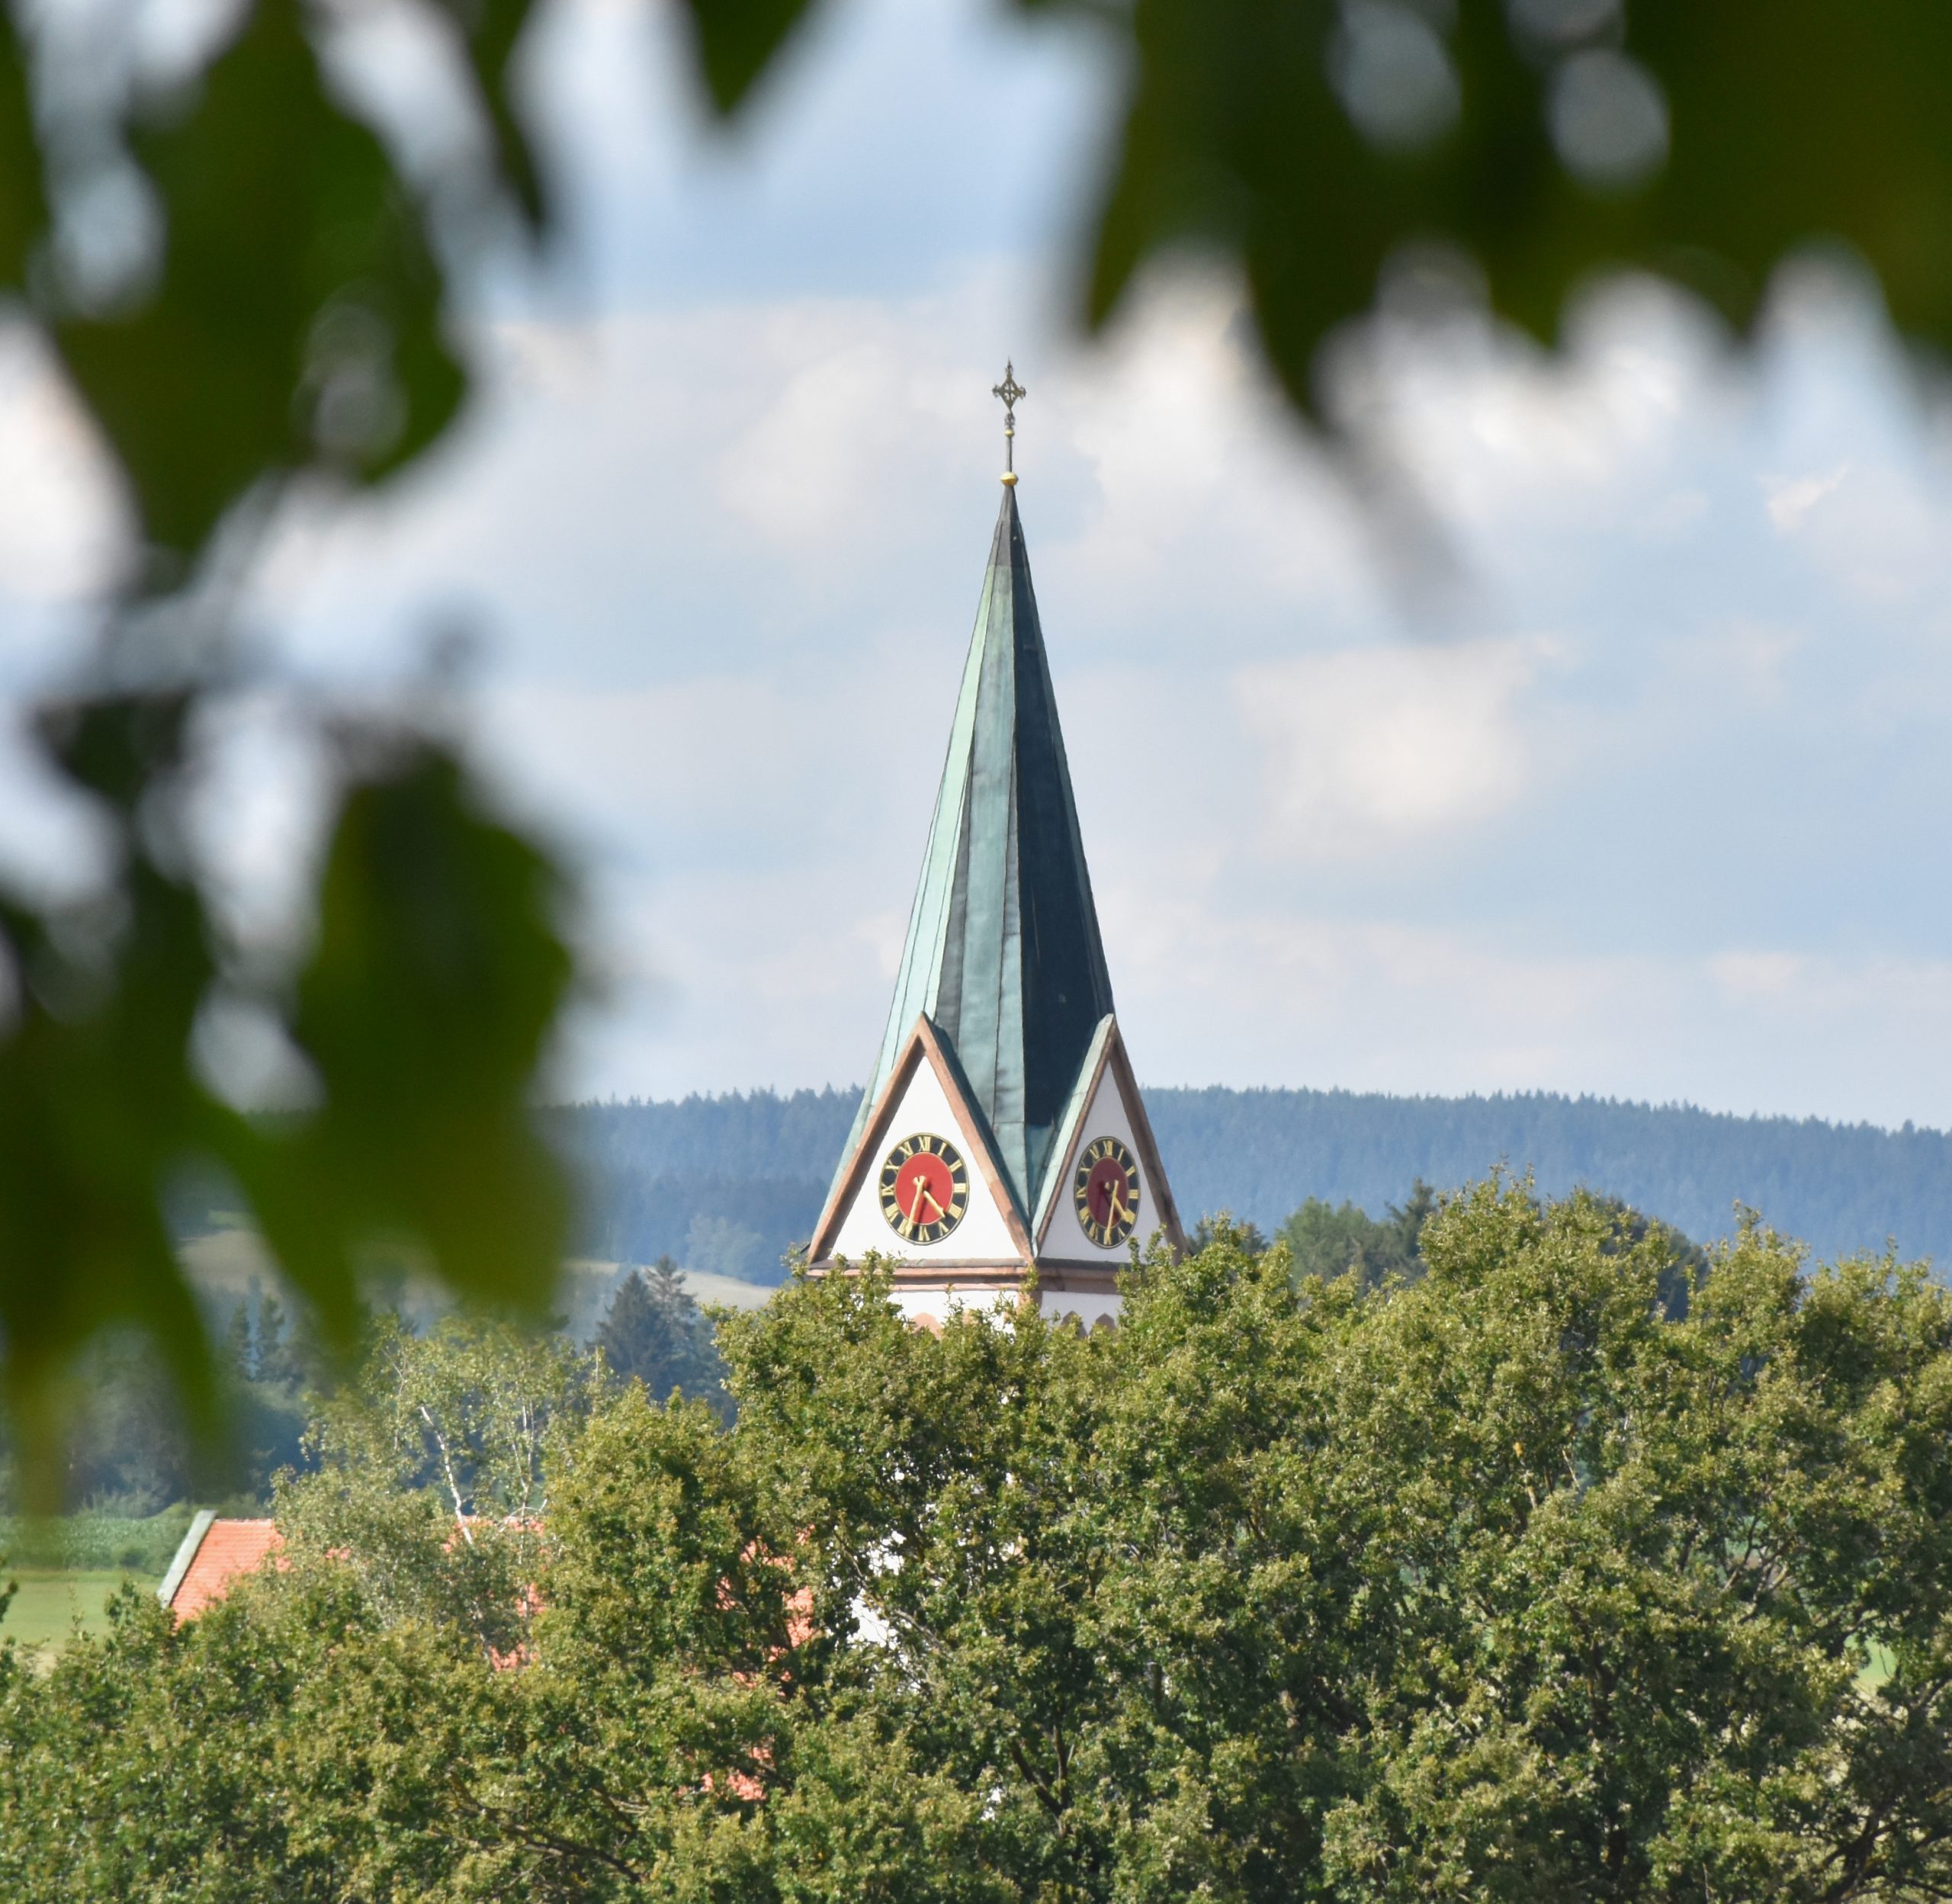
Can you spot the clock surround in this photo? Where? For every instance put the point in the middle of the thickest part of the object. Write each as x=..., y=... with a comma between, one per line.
x=1105, y=1191
x=924, y=1188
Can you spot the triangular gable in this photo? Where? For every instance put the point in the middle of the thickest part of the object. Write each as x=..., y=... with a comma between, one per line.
x=1107, y=1068
x=926, y=1048
x=1064, y=1143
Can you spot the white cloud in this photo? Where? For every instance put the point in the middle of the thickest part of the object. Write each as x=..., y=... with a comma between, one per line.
x=1790, y=501
x=1411, y=1008
x=1374, y=748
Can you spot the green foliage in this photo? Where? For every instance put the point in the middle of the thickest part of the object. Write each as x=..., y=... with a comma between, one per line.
x=1225, y=1228
x=422, y=1006
x=276, y=1360
x=1326, y=1242
x=652, y=1174
x=296, y=308
x=1500, y=1583
x=737, y=39
x=429, y=1482
x=128, y=1454
x=23, y=194
x=737, y=1179
x=1544, y=143
x=434, y=982
x=1842, y=1187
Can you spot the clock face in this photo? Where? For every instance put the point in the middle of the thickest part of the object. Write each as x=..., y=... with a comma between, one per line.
x=1106, y=1190
x=925, y=1188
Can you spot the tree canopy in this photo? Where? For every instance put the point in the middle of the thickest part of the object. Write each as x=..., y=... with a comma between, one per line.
x=1500, y=1583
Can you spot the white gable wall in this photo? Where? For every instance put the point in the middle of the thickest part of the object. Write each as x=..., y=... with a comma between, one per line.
x=983, y=1236
x=1065, y=1240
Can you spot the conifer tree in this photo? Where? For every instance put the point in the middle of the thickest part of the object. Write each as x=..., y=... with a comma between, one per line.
x=274, y=1360
x=654, y=1333
x=238, y=1352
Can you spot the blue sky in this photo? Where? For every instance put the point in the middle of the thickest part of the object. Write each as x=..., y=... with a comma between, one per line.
x=1652, y=804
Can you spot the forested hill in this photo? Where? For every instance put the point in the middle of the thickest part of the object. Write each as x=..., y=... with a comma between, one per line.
x=726, y=1183
x=1840, y=1187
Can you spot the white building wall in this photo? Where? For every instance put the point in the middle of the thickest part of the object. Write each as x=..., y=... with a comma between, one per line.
x=935, y=1306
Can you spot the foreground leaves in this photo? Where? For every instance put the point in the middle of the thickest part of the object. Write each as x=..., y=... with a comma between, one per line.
x=423, y=1008
x=1542, y=143
x=297, y=316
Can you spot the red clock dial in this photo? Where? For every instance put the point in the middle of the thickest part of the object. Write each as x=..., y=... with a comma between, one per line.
x=924, y=1188
x=1105, y=1191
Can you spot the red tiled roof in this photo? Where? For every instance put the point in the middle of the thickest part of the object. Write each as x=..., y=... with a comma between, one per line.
x=229, y=1548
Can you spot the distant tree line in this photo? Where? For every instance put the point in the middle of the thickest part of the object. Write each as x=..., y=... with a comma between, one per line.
x=130, y=1457
x=1840, y=1187
x=731, y=1183
x=132, y=1464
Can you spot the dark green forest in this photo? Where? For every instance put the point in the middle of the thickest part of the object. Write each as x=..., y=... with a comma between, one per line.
x=729, y=1184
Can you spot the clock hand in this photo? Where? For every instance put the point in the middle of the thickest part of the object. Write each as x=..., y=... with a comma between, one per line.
x=921, y=1190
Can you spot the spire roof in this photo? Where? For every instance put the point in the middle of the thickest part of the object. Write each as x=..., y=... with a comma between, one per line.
x=1003, y=954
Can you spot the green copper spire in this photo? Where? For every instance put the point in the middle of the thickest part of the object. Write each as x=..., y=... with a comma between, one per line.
x=1003, y=953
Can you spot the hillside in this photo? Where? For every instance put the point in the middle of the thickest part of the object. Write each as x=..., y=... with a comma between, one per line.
x=726, y=1184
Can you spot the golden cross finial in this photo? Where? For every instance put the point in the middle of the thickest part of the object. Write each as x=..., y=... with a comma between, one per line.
x=1012, y=392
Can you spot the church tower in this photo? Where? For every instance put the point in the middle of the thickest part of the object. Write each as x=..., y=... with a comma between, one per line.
x=1001, y=1134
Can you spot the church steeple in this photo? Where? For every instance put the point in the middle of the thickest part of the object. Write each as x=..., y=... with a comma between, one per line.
x=1003, y=954
x=1002, y=1136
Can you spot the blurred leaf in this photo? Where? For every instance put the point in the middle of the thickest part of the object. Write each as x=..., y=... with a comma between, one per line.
x=491, y=30
x=118, y=747
x=297, y=319
x=98, y=1105
x=426, y=1008
x=737, y=39
x=1787, y=124
x=22, y=198
x=1799, y=121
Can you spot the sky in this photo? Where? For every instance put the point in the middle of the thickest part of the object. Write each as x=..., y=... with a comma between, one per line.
x=1647, y=799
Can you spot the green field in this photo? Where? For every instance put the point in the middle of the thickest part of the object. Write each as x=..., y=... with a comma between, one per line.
x=43, y=1613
